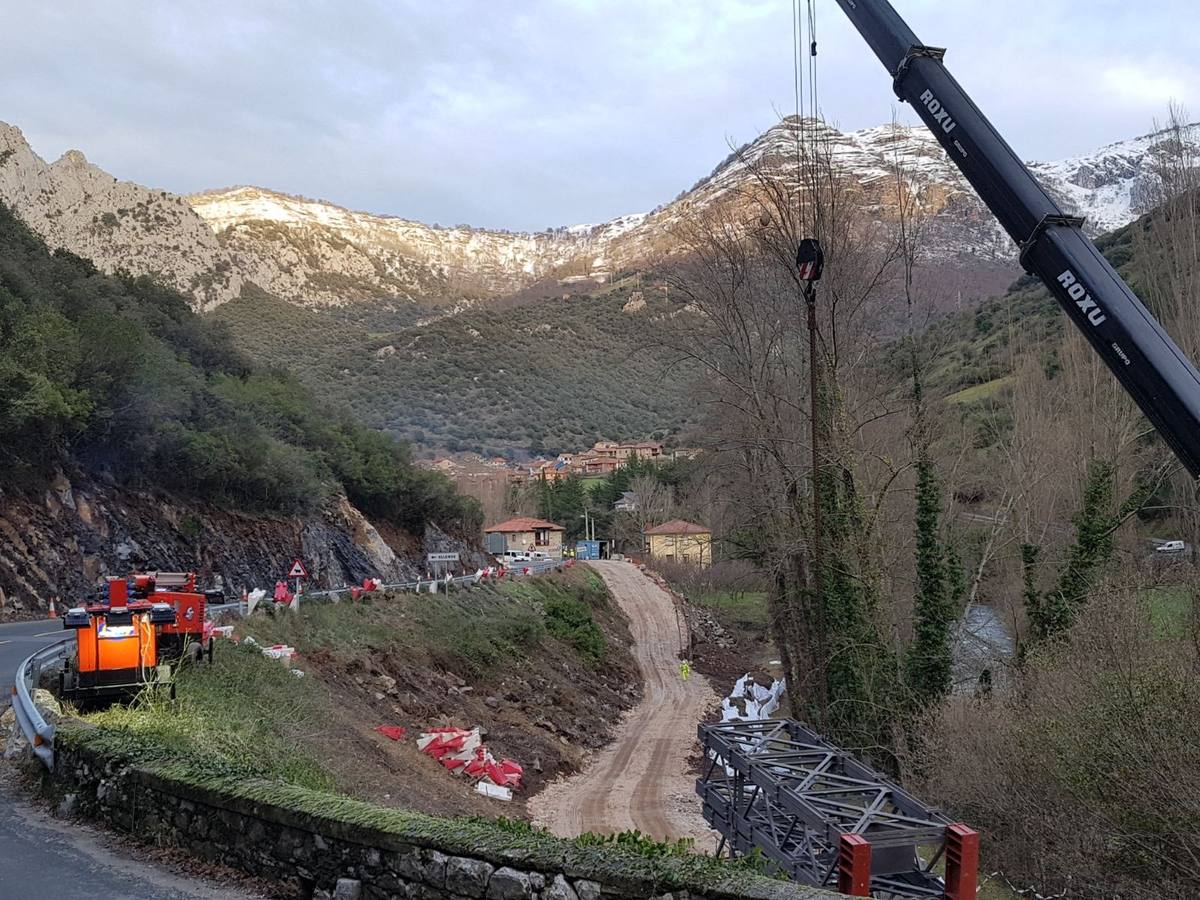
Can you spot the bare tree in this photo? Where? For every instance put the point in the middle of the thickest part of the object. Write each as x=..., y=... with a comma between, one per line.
x=741, y=326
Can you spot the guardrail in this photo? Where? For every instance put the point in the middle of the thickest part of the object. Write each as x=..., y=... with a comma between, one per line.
x=534, y=567
x=34, y=726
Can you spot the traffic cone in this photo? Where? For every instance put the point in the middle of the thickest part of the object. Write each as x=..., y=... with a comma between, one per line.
x=53, y=611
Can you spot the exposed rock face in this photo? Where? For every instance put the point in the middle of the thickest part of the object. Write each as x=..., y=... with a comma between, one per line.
x=316, y=254
x=118, y=225
x=1119, y=182
x=49, y=547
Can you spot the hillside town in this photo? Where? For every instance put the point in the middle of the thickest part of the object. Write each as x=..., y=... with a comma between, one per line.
x=600, y=460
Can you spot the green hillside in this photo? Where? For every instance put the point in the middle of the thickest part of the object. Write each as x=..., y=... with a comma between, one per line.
x=975, y=348
x=547, y=375
x=118, y=377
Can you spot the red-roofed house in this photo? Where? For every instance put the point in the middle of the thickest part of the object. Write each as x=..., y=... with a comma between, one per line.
x=679, y=541
x=525, y=535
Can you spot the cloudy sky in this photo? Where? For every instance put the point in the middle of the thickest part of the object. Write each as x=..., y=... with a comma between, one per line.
x=530, y=114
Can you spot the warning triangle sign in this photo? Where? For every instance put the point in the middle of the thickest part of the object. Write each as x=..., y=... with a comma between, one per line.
x=297, y=570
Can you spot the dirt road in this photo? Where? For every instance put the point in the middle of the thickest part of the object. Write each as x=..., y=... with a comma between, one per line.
x=642, y=780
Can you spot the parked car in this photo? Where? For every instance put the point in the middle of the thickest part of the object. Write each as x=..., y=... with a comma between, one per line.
x=515, y=556
x=1171, y=547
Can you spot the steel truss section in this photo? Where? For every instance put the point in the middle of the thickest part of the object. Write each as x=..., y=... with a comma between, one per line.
x=777, y=786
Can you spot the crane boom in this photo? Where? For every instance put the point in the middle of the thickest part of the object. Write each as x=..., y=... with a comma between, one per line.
x=1151, y=368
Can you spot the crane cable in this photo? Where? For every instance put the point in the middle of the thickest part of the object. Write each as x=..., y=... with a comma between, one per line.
x=814, y=110
x=813, y=105
x=808, y=106
x=798, y=130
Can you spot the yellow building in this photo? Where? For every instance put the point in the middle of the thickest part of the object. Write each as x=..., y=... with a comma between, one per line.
x=680, y=541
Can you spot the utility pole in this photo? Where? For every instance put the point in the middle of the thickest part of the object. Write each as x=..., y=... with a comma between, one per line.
x=810, y=261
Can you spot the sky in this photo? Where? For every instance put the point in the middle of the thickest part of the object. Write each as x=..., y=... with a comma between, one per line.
x=534, y=114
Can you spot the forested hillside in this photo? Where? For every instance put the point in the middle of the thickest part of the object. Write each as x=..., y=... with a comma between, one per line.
x=551, y=375
x=117, y=377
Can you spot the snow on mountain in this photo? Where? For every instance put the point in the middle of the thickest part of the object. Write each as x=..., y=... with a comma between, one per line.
x=1114, y=185
x=316, y=253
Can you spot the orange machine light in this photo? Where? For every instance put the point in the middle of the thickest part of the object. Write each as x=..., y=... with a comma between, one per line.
x=116, y=647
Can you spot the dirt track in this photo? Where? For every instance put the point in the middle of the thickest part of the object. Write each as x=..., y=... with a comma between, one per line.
x=642, y=780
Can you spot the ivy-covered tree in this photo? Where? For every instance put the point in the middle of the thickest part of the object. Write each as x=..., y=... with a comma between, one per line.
x=1052, y=614
x=930, y=656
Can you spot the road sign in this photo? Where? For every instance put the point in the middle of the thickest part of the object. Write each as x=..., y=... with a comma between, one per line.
x=297, y=570
x=442, y=558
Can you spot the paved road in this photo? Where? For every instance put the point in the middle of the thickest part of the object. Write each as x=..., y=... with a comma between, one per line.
x=642, y=780
x=43, y=857
x=17, y=641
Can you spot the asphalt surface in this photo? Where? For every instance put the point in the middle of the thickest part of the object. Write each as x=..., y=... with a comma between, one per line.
x=41, y=856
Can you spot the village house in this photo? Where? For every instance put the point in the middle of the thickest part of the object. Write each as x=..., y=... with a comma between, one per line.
x=551, y=469
x=592, y=464
x=622, y=452
x=626, y=503
x=525, y=535
x=679, y=541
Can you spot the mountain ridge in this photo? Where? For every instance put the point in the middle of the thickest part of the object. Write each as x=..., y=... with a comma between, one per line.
x=390, y=257
x=319, y=254
x=119, y=225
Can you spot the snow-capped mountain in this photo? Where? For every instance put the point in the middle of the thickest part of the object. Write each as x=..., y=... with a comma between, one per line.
x=119, y=225
x=316, y=253
x=1114, y=185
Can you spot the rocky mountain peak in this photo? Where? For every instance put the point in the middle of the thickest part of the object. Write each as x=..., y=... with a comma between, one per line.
x=317, y=253
x=72, y=159
x=119, y=225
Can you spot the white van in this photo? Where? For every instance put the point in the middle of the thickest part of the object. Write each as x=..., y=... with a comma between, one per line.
x=1171, y=547
x=515, y=556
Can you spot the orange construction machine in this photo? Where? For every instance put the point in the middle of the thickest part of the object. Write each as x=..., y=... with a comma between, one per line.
x=116, y=651
x=187, y=634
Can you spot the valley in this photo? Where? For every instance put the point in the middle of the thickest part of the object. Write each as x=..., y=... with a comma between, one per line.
x=697, y=552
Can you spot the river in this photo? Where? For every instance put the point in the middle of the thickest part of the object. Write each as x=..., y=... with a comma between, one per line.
x=982, y=641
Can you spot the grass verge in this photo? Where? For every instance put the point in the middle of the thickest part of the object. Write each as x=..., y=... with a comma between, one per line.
x=746, y=609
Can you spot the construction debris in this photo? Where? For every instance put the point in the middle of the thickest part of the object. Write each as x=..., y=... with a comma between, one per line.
x=463, y=753
x=395, y=732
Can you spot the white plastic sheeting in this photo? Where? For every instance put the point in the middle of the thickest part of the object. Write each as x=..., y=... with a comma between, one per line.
x=750, y=701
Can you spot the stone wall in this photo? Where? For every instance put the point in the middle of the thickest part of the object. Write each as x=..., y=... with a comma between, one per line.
x=428, y=858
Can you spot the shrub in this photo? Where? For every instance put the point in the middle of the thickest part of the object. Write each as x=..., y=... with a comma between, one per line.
x=570, y=619
x=118, y=373
x=1086, y=776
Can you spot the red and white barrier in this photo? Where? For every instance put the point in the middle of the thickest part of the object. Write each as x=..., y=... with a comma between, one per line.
x=463, y=753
